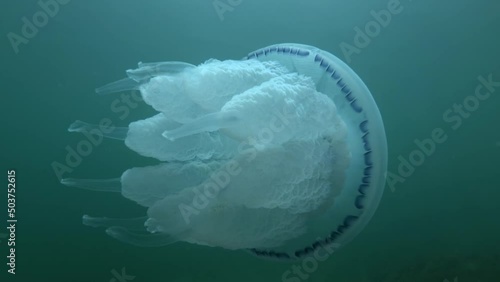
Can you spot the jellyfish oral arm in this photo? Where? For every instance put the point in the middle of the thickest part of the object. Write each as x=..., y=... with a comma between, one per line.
x=209, y=123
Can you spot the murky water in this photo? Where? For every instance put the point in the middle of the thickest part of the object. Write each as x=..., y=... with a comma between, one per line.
x=433, y=68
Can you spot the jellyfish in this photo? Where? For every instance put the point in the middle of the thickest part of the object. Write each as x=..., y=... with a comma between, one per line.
x=281, y=153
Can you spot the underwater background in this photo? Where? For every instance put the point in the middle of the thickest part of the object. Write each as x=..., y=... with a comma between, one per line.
x=436, y=222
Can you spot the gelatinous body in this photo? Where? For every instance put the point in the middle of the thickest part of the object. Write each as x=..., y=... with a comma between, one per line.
x=281, y=153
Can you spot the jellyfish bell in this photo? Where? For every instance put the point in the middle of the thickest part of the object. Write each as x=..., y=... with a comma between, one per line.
x=282, y=154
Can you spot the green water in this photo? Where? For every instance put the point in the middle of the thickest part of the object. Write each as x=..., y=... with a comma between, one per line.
x=440, y=223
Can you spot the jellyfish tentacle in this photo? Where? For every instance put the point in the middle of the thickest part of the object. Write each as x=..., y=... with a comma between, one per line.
x=207, y=123
x=101, y=185
x=141, y=240
x=136, y=223
x=149, y=70
x=118, y=133
x=121, y=85
x=170, y=66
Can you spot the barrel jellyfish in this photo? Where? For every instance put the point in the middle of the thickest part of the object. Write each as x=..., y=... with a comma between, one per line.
x=280, y=154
